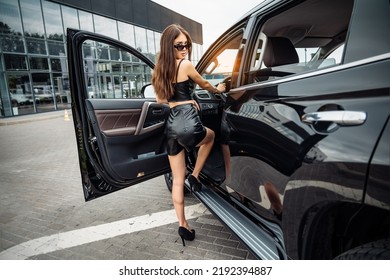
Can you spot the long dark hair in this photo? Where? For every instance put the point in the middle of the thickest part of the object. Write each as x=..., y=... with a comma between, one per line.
x=164, y=72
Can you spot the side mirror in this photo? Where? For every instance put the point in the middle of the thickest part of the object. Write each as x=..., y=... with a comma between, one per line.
x=148, y=91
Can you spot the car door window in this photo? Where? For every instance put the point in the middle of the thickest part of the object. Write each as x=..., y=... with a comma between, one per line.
x=298, y=40
x=113, y=73
x=225, y=61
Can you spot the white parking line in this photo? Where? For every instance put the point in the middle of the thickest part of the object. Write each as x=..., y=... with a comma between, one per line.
x=82, y=236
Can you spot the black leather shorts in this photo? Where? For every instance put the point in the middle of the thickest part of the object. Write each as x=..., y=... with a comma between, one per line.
x=183, y=129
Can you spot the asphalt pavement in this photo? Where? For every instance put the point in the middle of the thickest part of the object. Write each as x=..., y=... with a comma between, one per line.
x=43, y=214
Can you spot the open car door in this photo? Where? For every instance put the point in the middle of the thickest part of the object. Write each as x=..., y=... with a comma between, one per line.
x=120, y=133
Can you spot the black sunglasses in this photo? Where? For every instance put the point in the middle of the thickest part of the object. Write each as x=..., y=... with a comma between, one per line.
x=181, y=47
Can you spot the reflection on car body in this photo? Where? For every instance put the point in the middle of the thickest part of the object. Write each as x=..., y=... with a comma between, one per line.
x=300, y=166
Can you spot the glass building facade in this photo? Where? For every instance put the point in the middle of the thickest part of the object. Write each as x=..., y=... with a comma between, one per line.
x=33, y=66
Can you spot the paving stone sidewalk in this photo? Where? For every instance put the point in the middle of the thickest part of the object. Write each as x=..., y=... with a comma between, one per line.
x=41, y=196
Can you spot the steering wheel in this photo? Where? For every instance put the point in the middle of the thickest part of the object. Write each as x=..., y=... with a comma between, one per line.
x=227, y=82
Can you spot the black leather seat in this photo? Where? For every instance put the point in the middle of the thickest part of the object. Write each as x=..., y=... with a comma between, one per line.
x=279, y=51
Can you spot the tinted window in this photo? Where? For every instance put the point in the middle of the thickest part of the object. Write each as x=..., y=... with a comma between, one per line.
x=301, y=39
x=110, y=72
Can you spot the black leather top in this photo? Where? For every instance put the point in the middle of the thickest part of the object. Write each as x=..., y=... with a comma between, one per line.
x=182, y=91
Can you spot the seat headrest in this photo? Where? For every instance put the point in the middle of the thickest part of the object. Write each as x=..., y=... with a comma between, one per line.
x=279, y=51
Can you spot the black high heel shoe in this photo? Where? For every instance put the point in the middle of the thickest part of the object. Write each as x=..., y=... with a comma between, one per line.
x=186, y=234
x=195, y=185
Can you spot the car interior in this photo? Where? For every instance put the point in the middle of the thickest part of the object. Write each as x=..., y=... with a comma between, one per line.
x=302, y=38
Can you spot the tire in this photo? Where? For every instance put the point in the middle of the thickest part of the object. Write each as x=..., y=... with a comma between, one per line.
x=376, y=250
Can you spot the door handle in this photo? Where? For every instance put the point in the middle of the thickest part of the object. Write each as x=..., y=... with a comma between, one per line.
x=339, y=117
x=157, y=111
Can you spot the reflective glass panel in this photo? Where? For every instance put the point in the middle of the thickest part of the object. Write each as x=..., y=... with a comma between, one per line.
x=61, y=91
x=116, y=67
x=127, y=68
x=53, y=22
x=114, y=78
x=101, y=49
x=55, y=64
x=36, y=46
x=43, y=92
x=125, y=56
x=86, y=21
x=105, y=26
x=10, y=17
x=32, y=18
x=140, y=39
x=39, y=63
x=151, y=46
x=20, y=94
x=12, y=44
x=15, y=62
x=56, y=48
x=114, y=54
x=126, y=33
x=103, y=52
x=157, y=37
x=70, y=18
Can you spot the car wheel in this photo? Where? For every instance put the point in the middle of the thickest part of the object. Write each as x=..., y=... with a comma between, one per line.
x=169, y=181
x=377, y=250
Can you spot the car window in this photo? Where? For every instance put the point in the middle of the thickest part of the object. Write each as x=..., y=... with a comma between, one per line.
x=223, y=63
x=221, y=66
x=306, y=37
x=111, y=72
x=333, y=58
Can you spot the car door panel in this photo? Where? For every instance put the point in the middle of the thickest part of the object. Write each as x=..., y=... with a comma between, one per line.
x=120, y=134
x=132, y=138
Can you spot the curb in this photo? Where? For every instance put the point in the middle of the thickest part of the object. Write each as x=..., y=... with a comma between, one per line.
x=35, y=117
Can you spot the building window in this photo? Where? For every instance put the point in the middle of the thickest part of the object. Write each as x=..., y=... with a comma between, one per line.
x=157, y=37
x=70, y=18
x=105, y=26
x=126, y=33
x=102, y=51
x=86, y=21
x=15, y=62
x=140, y=39
x=36, y=46
x=10, y=22
x=20, y=96
x=56, y=48
x=34, y=72
x=39, y=63
x=53, y=22
x=32, y=18
x=55, y=64
x=12, y=44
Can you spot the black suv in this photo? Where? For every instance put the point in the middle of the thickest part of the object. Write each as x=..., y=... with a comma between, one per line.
x=300, y=168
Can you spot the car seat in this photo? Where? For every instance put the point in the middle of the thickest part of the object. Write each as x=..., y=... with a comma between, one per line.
x=279, y=51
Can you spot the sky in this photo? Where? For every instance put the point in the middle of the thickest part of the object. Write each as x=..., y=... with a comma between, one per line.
x=215, y=15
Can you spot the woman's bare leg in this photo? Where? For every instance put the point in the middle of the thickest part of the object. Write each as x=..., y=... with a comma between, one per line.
x=178, y=167
x=204, y=150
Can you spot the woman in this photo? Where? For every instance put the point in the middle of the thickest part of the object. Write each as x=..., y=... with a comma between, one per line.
x=173, y=80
